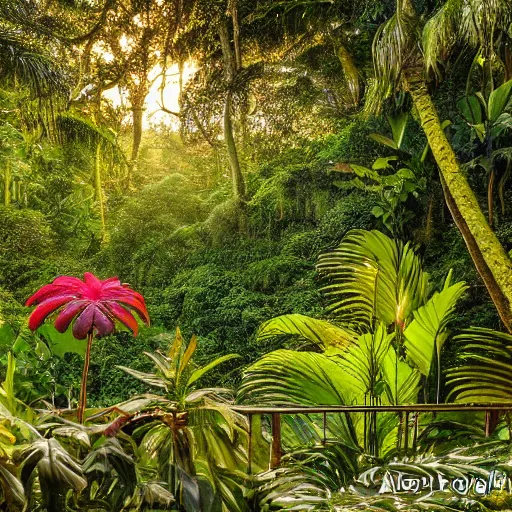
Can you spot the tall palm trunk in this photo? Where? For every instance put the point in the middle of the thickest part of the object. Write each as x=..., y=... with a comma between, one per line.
x=7, y=183
x=98, y=191
x=489, y=256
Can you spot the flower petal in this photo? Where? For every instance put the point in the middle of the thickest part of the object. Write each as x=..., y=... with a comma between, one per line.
x=59, y=286
x=68, y=281
x=43, y=293
x=138, y=305
x=124, y=316
x=44, y=309
x=102, y=323
x=111, y=282
x=84, y=322
x=68, y=313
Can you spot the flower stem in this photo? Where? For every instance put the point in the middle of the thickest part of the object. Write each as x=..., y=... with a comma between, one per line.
x=83, y=386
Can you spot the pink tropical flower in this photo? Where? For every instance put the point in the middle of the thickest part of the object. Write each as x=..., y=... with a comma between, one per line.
x=93, y=305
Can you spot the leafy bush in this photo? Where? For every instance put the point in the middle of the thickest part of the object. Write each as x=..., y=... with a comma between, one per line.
x=24, y=232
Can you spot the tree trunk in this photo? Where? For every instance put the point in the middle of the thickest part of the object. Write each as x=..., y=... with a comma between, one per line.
x=489, y=256
x=233, y=8
x=508, y=62
x=7, y=183
x=490, y=197
x=501, y=186
x=230, y=69
x=98, y=191
x=234, y=162
x=137, y=112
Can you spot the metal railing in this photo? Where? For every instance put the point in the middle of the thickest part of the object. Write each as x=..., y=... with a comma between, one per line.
x=403, y=412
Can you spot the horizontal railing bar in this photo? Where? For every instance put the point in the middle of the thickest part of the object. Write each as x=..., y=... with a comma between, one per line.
x=249, y=409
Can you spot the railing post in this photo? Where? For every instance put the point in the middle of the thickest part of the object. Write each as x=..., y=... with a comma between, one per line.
x=415, y=435
x=406, y=432
x=487, y=423
x=399, y=432
x=324, y=440
x=277, y=452
x=249, y=446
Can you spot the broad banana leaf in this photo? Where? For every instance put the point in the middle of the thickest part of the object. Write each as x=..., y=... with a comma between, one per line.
x=484, y=373
x=287, y=377
x=320, y=332
x=498, y=100
x=57, y=470
x=426, y=334
x=372, y=278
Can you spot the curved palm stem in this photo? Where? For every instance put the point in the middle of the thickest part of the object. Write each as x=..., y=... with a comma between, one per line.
x=489, y=256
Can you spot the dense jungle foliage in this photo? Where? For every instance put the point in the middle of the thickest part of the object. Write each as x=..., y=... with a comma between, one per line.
x=313, y=200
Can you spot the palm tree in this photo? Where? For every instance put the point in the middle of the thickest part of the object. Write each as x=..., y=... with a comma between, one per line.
x=403, y=57
x=22, y=56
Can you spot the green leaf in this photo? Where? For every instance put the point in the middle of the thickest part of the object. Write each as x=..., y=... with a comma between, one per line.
x=377, y=211
x=321, y=332
x=406, y=174
x=71, y=432
x=398, y=124
x=364, y=172
x=148, y=378
x=483, y=103
x=7, y=334
x=61, y=344
x=197, y=374
x=189, y=352
x=363, y=361
x=371, y=277
x=425, y=334
x=383, y=163
x=12, y=488
x=56, y=469
x=382, y=139
x=480, y=131
x=471, y=109
x=498, y=100
x=21, y=345
x=399, y=374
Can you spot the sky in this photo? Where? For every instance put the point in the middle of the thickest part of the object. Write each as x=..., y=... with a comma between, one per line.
x=153, y=113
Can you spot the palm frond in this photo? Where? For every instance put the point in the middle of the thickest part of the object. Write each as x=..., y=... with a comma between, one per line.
x=372, y=278
x=287, y=377
x=75, y=127
x=484, y=369
x=473, y=22
x=363, y=361
x=30, y=66
x=393, y=45
x=426, y=334
x=319, y=332
x=441, y=34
